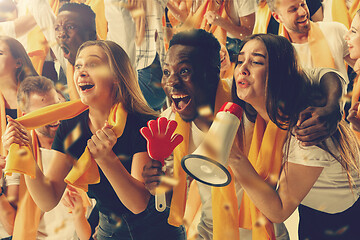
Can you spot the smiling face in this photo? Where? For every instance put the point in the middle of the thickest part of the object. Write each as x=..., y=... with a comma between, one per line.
x=352, y=38
x=294, y=14
x=179, y=73
x=251, y=73
x=71, y=32
x=37, y=101
x=93, y=79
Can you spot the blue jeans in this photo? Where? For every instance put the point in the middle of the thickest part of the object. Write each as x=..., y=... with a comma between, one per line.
x=150, y=84
x=148, y=225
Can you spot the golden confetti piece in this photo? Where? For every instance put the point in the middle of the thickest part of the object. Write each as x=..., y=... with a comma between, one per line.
x=205, y=111
x=61, y=226
x=22, y=152
x=123, y=157
x=273, y=178
x=169, y=181
x=227, y=207
x=157, y=85
x=117, y=219
x=261, y=221
x=166, y=184
x=72, y=137
x=60, y=86
x=347, y=97
x=103, y=71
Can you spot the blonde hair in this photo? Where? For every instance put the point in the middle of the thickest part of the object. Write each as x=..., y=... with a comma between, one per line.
x=127, y=90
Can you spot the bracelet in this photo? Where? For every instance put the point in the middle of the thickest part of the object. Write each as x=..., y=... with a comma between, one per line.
x=2, y=191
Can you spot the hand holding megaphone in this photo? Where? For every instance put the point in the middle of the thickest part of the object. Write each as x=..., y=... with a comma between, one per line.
x=208, y=163
x=160, y=144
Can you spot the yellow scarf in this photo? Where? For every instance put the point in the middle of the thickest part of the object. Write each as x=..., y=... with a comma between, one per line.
x=28, y=213
x=266, y=157
x=85, y=170
x=37, y=46
x=263, y=16
x=98, y=7
x=24, y=163
x=178, y=201
x=225, y=211
x=340, y=12
x=320, y=52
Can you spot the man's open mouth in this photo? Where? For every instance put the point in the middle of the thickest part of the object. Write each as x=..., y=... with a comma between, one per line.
x=181, y=101
x=86, y=86
x=65, y=50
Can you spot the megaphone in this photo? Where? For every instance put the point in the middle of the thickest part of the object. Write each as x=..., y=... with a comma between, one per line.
x=207, y=164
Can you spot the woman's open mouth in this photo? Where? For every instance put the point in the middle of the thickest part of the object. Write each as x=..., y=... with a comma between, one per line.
x=86, y=86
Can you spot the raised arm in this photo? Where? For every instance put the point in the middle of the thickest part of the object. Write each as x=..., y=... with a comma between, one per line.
x=295, y=182
x=24, y=24
x=240, y=31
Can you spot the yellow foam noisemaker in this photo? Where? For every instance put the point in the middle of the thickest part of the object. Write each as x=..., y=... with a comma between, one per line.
x=21, y=159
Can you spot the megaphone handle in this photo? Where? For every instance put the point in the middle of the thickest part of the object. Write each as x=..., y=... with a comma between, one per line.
x=160, y=202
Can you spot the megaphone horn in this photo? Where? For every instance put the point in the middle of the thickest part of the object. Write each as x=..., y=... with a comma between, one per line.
x=208, y=163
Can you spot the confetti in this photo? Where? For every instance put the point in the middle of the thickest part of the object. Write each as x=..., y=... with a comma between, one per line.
x=205, y=111
x=22, y=152
x=166, y=184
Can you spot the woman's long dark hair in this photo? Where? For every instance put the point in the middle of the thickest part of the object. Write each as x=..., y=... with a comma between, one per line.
x=288, y=92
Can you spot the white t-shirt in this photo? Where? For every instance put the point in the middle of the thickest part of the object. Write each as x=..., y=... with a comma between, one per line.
x=334, y=33
x=205, y=227
x=331, y=192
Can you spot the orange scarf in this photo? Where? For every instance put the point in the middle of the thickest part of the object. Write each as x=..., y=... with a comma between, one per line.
x=340, y=12
x=266, y=157
x=24, y=163
x=28, y=213
x=263, y=16
x=85, y=170
x=320, y=52
x=178, y=201
x=98, y=7
x=37, y=46
x=225, y=211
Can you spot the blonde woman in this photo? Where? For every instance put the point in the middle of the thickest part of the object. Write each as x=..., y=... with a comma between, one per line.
x=104, y=77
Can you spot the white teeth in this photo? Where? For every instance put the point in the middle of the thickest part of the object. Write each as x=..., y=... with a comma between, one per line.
x=179, y=96
x=85, y=84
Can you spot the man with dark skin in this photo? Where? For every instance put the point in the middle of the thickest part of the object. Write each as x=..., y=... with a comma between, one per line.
x=74, y=25
x=190, y=80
